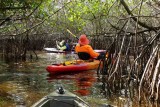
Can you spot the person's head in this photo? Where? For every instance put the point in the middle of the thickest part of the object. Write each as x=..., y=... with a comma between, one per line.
x=62, y=42
x=83, y=40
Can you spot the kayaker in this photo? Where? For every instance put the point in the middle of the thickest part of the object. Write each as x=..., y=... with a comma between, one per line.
x=63, y=45
x=85, y=51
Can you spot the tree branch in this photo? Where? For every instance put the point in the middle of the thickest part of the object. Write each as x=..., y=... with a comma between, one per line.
x=135, y=19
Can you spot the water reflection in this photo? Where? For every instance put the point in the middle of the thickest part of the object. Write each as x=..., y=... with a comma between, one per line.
x=24, y=83
x=105, y=87
x=22, y=89
x=83, y=81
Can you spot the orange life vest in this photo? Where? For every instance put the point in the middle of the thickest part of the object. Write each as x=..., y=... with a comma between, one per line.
x=87, y=49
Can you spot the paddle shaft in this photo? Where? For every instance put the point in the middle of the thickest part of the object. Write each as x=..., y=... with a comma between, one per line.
x=72, y=33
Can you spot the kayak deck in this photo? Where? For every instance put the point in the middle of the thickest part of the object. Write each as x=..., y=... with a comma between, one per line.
x=56, y=99
x=81, y=66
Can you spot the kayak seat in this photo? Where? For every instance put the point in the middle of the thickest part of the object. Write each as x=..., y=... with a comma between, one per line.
x=84, y=56
x=64, y=103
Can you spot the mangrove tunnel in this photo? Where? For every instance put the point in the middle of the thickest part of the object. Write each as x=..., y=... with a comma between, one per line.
x=129, y=30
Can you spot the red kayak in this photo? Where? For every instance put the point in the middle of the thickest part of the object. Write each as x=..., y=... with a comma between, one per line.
x=79, y=66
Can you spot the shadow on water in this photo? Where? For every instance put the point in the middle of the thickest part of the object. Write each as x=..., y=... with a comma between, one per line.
x=24, y=83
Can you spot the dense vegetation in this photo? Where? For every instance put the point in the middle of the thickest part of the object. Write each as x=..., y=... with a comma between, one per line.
x=128, y=29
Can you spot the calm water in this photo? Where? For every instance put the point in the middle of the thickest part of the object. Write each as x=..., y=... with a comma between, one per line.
x=24, y=83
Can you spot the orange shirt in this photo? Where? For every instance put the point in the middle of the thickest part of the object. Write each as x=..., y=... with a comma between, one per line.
x=88, y=49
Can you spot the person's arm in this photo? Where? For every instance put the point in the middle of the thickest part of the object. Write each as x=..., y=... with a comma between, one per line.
x=61, y=48
x=57, y=44
x=92, y=53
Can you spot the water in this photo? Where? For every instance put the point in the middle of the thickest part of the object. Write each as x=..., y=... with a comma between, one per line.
x=24, y=83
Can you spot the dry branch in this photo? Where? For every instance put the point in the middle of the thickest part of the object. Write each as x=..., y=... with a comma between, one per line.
x=158, y=84
x=135, y=19
x=155, y=78
x=120, y=52
x=154, y=53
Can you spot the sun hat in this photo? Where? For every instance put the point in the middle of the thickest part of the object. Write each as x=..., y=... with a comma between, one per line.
x=83, y=40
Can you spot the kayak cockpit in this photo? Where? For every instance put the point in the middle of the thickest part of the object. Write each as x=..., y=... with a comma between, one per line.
x=56, y=99
x=63, y=102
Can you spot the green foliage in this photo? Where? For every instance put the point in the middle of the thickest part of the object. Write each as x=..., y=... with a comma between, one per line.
x=83, y=11
x=16, y=12
x=77, y=14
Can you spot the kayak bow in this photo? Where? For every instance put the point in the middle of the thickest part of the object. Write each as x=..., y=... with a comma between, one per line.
x=61, y=98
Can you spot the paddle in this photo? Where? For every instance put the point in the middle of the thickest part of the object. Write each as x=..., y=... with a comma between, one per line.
x=72, y=34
